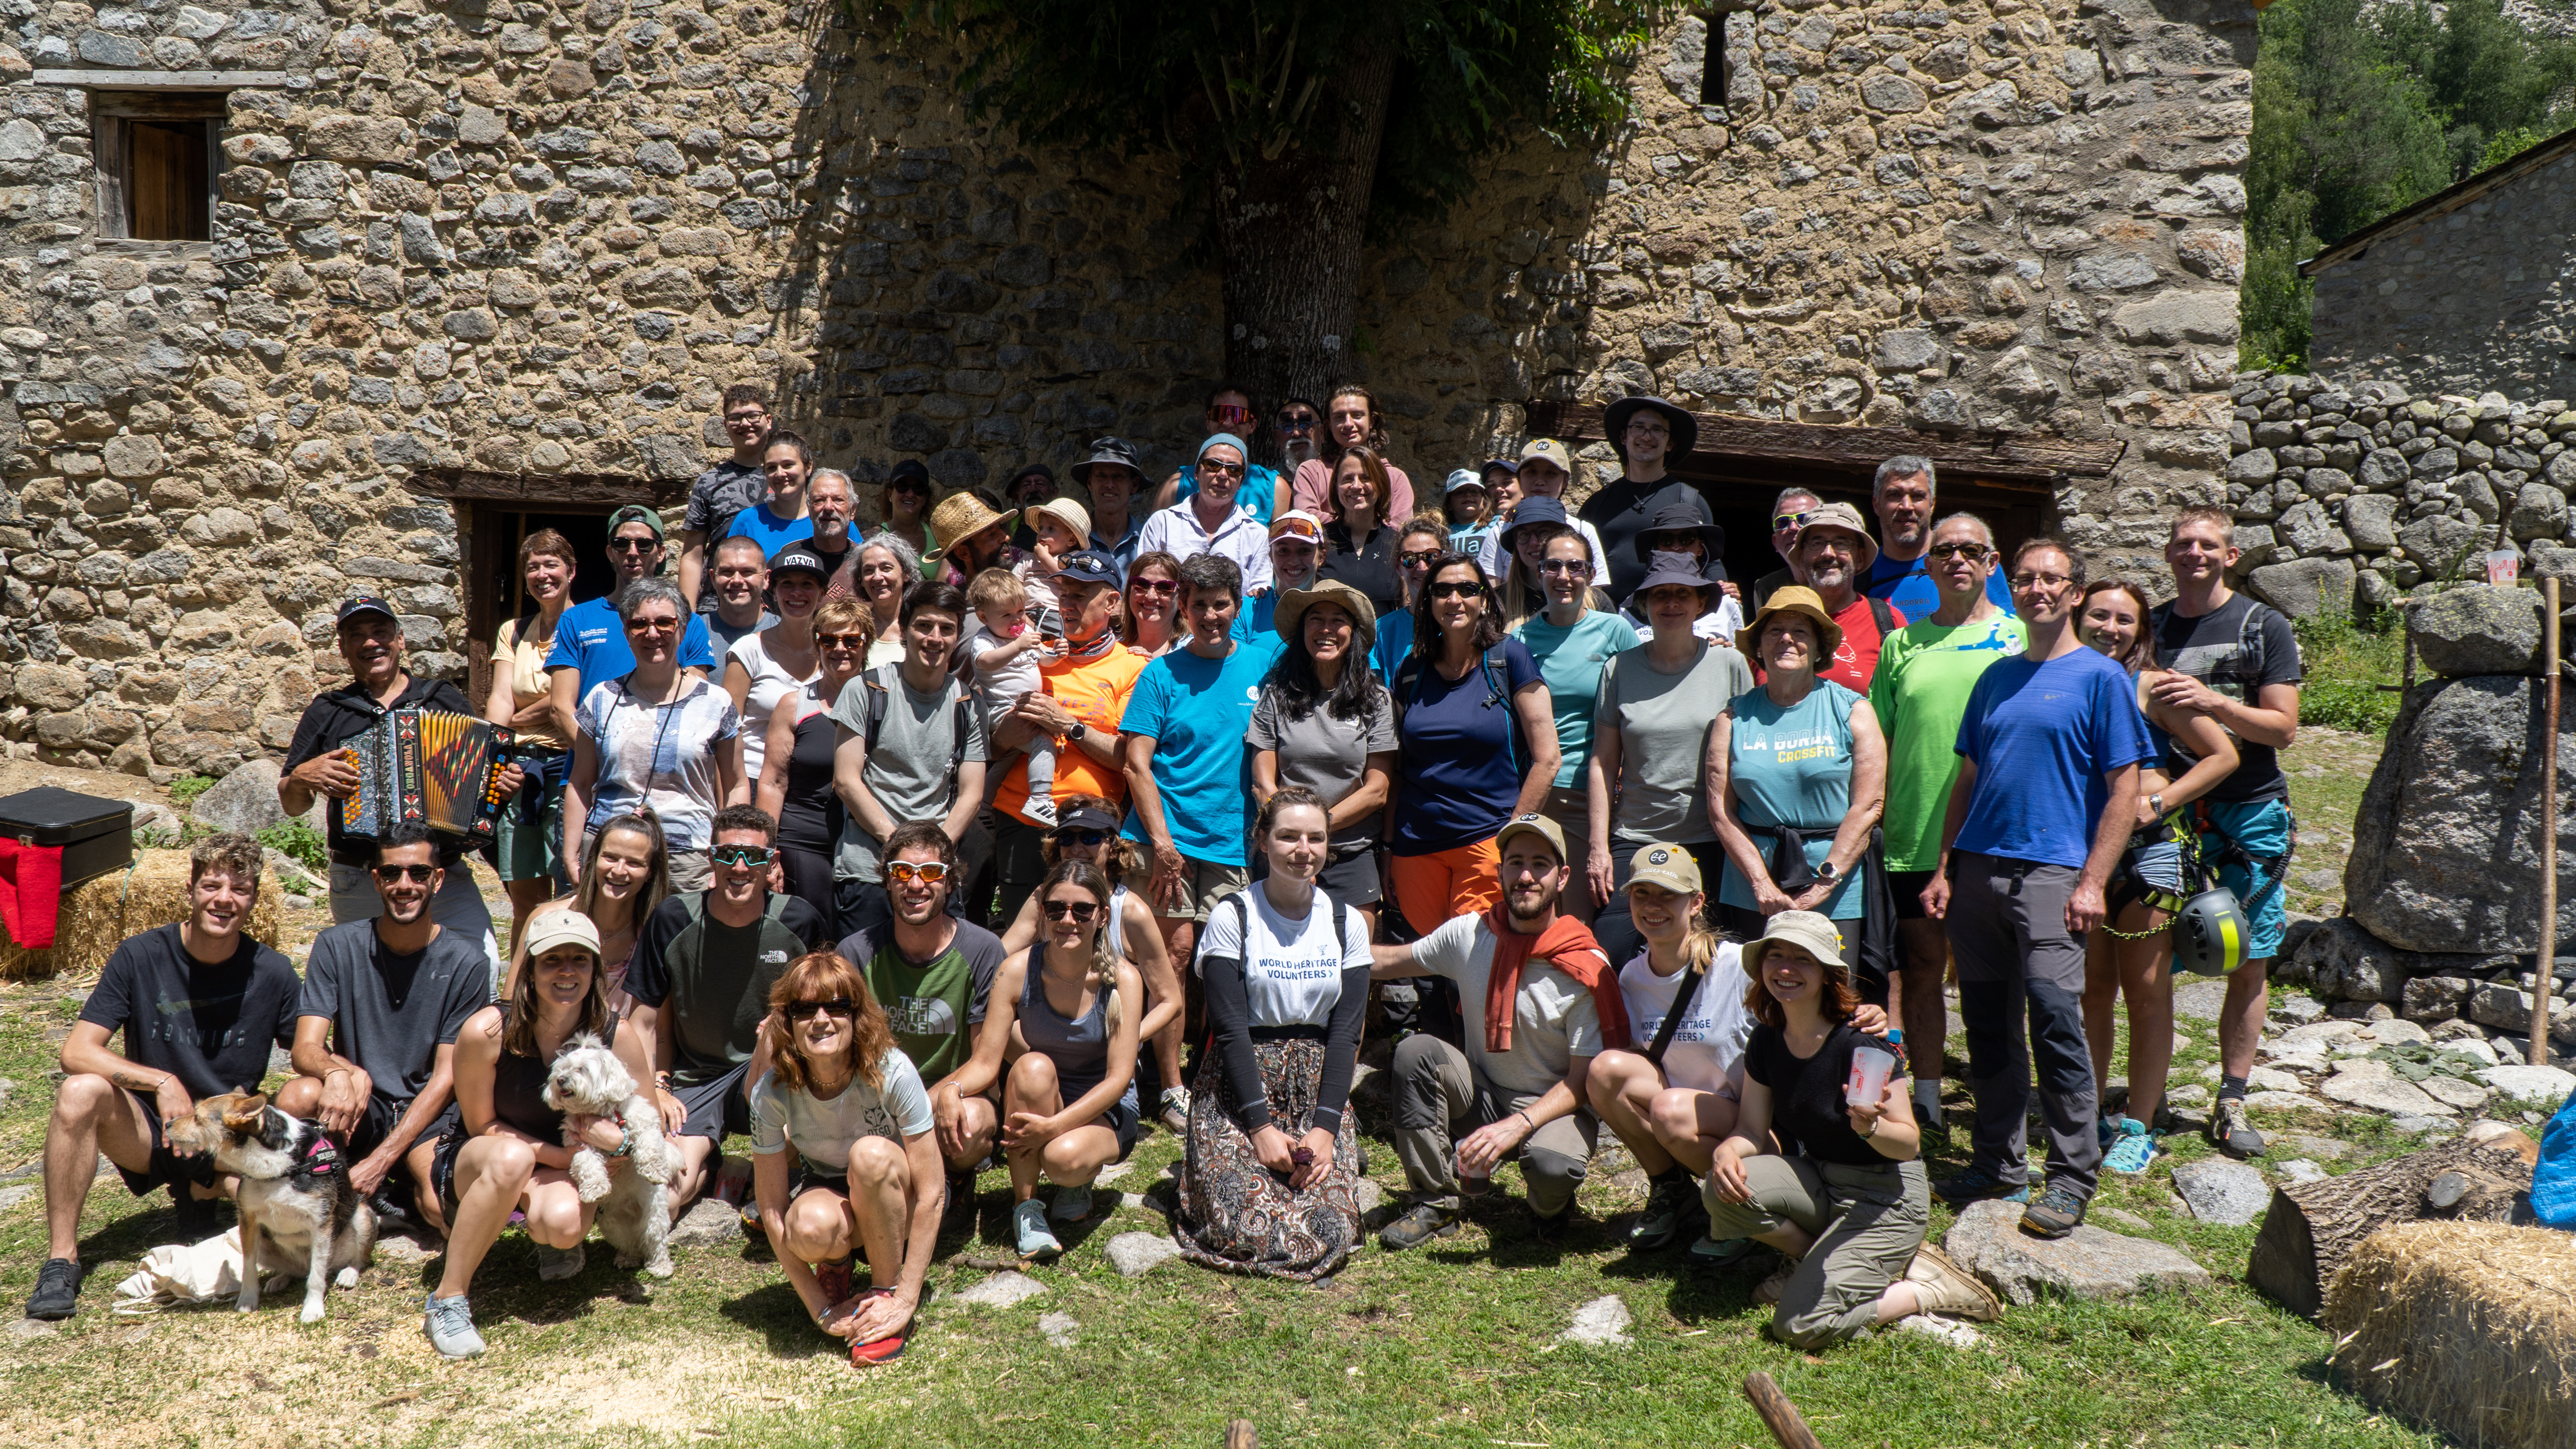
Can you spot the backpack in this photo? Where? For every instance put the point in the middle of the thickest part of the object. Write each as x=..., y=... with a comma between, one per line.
x=881, y=699
x=1408, y=692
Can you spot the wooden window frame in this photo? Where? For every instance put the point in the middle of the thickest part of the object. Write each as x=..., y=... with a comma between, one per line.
x=111, y=112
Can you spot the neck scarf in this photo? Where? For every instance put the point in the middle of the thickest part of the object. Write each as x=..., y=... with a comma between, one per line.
x=1569, y=947
x=1093, y=648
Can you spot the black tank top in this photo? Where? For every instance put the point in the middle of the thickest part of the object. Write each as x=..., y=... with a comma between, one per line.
x=810, y=815
x=519, y=1087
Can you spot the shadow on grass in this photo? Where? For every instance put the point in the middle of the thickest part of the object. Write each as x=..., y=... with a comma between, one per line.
x=779, y=1315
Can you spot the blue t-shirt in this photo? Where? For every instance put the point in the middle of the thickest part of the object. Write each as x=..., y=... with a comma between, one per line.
x=2042, y=736
x=1259, y=617
x=767, y=529
x=1570, y=660
x=1196, y=711
x=590, y=639
x=1792, y=766
x=1908, y=585
x=1260, y=490
x=1461, y=752
x=1394, y=641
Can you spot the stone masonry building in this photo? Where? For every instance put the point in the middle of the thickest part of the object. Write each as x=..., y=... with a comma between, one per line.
x=305, y=297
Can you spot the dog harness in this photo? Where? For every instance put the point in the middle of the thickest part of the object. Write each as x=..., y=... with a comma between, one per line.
x=321, y=1159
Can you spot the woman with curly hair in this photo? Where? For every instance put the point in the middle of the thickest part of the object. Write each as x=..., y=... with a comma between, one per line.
x=866, y=1171
x=1352, y=419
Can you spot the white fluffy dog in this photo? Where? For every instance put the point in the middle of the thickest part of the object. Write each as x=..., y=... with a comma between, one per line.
x=588, y=1080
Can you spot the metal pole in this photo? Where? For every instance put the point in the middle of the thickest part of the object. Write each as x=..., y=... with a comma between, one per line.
x=2548, y=958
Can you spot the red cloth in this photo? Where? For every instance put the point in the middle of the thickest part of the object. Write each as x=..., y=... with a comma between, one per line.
x=1568, y=946
x=31, y=892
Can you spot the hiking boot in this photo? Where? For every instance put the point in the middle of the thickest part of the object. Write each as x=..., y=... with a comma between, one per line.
x=57, y=1294
x=1942, y=1286
x=1072, y=1204
x=1420, y=1224
x=2054, y=1213
x=1175, y=1114
x=1718, y=1252
x=2132, y=1149
x=449, y=1323
x=556, y=1264
x=1776, y=1287
x=1552, y=1230
x=1672, y=1213
x=1029, y=1229
x=199, y=1218
x=1977, y=1185
x=2232, y=1131
x=1930, y=1119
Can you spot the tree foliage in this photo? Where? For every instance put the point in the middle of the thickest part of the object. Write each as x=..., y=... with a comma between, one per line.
x=1240, y=86
x=2364, y=109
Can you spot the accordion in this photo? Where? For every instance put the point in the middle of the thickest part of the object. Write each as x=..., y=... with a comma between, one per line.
x=428, y=767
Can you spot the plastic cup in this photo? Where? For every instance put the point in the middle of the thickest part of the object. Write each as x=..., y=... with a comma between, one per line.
x=2504, y=566
x=1869, y=1070
x=1469, y=1185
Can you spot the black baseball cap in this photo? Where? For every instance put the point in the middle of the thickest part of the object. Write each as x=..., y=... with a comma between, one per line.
x=1089, y=566
x=362, y=605
x=801, y=557
x=909, y=468
x=1087, y=817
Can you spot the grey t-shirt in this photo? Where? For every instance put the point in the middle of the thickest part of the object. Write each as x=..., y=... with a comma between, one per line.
x=390, y=1014
x=908, y=770
x=724, y=636
x=1324, y=754
x=1554, y=1018
x=1663, y=722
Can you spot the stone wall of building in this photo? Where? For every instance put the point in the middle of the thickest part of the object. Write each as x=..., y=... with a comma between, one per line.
x=542, y=237
x=2464, y=301
x=2347, y=498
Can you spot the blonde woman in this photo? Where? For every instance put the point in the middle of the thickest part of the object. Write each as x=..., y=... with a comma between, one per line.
x=1069, y=1102
x=625, y=874
x=531, y=837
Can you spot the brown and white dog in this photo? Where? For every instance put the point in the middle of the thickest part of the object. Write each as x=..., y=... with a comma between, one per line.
x=299, y=1215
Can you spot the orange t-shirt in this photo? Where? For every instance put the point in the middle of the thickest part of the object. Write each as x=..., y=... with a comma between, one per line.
x=1096, y=691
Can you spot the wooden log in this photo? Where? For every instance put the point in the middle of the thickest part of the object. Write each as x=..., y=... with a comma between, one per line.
x=1780, y=1416
x=1241, y=1435
x=2311, y=1228
x=2029, y=458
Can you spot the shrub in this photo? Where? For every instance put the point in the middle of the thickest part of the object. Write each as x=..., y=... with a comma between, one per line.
x=2344, y=664
x=185, y=790
x=300, y=843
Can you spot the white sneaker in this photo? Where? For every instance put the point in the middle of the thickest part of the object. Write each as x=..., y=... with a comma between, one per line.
x=1029, y=1226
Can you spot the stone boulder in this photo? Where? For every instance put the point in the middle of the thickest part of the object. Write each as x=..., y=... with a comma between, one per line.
x=2445, y=854
x=2539, y=511
x=2347, y=963
x=243, y=802
x=2460, y=633
x=2307, y=588
x=2090, y=1262
x=2231, y=1194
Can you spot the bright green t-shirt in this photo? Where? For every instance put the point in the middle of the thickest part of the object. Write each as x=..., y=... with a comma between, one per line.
x=1570, y=660
x=1920, y=694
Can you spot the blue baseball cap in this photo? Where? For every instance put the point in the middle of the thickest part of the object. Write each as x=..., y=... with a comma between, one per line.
x=1089, y=566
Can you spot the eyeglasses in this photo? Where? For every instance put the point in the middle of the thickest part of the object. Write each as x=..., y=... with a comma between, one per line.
x=1214, y=465
x=2021, y=582
x=1783, y=522
x=1084, y=838
x=1298, y=423
x=1972, y=552
x=633, y=545
x=905, y=872
x=741, y=854
x=1563, y=566
x=391, y=873
x=1419, y=558
x=743, y=420
x=1455, y=590
x=654, y=626
x=843, y=641
x=1081, y=911
x=841, y=1007
x=1160, y=588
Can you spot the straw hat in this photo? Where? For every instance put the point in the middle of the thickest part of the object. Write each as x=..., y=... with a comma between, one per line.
x=1802, y=601
x=961, y=516
x=1806, y=930
x=1291, y=609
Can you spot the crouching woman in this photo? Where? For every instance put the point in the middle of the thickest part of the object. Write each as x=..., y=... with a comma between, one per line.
x=507, y=1152
x=1845, y=1199
x=866, y=1175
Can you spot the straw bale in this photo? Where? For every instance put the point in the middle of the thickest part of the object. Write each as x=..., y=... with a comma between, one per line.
x=99, y=913
x=2469, y=1328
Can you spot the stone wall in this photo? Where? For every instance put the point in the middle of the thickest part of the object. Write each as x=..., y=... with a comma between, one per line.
x=540, y=238
x=2462, y=301
x=2347, y=498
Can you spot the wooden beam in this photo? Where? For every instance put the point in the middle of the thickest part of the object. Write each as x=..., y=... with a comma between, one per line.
x=2002, y=457
x=164, y=80
x=570, y=490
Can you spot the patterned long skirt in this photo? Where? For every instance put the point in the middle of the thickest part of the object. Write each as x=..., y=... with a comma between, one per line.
x=1237, y=1216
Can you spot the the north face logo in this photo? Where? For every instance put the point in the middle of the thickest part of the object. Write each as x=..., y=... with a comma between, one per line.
x=773, y=957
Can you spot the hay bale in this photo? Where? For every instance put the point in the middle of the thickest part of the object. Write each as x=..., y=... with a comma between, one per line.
x=2467, y=1327
x=97, y=914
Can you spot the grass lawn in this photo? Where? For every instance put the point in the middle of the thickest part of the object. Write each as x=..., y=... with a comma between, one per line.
x=1454, y=1344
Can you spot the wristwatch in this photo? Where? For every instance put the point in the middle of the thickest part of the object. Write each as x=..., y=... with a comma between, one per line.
x=2156, y=803
x=1826, y=871
x=1078, y=730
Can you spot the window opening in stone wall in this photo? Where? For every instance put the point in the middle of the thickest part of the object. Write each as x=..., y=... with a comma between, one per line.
x=1712, y=63
x=157, y=157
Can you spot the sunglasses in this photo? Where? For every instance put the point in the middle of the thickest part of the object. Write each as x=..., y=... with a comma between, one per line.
x=909, y=488
x=1081, y=911
x=1084, y=838
x=1160, y=588
x=904, y=872
x=741, y=854
x=391, y=873
x=633, y=545
x=843, y=641
x=1564, y=566
x=1457, y=590
x=1214, y=466
x=1231, y=414
x=1972, y=552
x=807, y=1010
x=1671, y=542
x=1419, y=558
x=1303, y=423
x=1783, y=522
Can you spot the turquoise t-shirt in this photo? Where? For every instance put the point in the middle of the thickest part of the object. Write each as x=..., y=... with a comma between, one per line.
x=1196, y=711
x=1570, y=660
x=1792, y=766
x=767, y=529
x=1260, y=491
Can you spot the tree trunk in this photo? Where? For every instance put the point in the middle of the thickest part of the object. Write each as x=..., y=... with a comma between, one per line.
x=2312, y=1227
x=1288, y=239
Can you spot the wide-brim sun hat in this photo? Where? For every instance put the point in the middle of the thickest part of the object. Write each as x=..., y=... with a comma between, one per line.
x=1848, y=519
x=1806, y=930
x=1065, y=511
x=1106, y=450
x=960, y=516
x=1531, y=511
x=1290, y=612
x=1685, y=428
x=1683, y=520
x=1802, y=601
x=1674, y=568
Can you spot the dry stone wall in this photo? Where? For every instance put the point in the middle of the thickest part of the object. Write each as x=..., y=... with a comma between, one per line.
x=540, y=238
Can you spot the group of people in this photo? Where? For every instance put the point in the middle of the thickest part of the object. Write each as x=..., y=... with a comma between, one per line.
x=983, y=822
